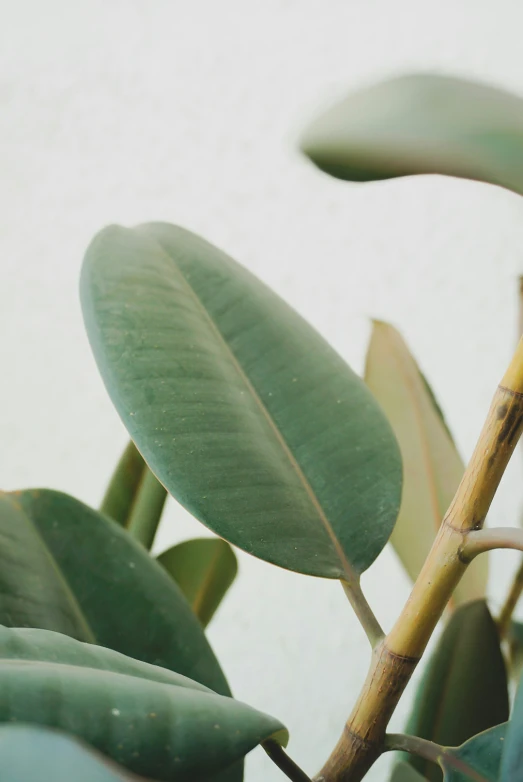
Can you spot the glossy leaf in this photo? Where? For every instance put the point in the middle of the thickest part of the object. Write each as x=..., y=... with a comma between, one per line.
x=161, y=730
x=134, y=497
x=432, y=467
x=34, y=754
x=404, y=772
x=464, y=689
x=422, y=124
x=239, y=407
x=477, y=760
x=512, y=761
x=67, y=568
x=204, y=569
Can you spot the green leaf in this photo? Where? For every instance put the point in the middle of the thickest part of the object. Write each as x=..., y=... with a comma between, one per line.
x=464, y=689
x=404, y=772
x=204, y=569
x=239, y=407
x=67, y=568
x=515, y=640
x=157, y=729
x=512, y=762
x=134, y=497
x=31, y=754
x=477, y=760
x=432, y=467
x=422, y=124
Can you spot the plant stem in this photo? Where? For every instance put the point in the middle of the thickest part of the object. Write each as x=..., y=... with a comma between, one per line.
x=278, y=756
x=414, y=745
x=147, y=508
x=395, y=658
x=511, y=601
x=364, y=612
x=480, y=541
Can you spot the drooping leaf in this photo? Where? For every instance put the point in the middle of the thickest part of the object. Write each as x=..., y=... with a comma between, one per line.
x=157, y=729
x=512, y=760
x=135, y=498
x=67, y=568
x=239, y=407
x=422, y=124
x=477, y=760
x=464, y=689
x=432, y=467
x=204, y=569
x=34, y=754
x=404, y=772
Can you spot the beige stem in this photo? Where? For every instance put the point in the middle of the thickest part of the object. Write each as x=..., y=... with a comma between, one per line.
x=396, y=656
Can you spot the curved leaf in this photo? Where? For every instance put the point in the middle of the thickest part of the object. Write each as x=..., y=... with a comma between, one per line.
x=164, y=731
x=67, y=568
x=464, y=689
x=204, y=569
x=512, y=760
x=478, y=760
x=33, y=754
x=422, y=124
x=432, y=467
x=238, y=406
x=134, y=497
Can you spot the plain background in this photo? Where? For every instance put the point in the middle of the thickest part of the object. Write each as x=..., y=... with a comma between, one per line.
x=114, y=111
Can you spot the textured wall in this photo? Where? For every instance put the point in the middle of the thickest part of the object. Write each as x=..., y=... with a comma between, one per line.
x=188, y=111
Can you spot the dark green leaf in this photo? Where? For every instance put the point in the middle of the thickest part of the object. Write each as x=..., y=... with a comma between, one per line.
x=239, y=407
x=204, y=569
x=134, y=497
x=422, y=124
x=512, y=762
x=67, y=568
x=147, y=719
x=478, y=760
x=404, y=772
x=464, y=689
x=31, y=754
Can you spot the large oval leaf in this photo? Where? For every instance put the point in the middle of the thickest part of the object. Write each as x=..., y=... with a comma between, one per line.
x=464, y=689
x=134, y=497
x=34, y=754
x=162, y=730
x=204, y=569
x=432, y=467
x=238, y=406
x=422, y=124
x=512, y=760
x=67, y=568
x=478, y=760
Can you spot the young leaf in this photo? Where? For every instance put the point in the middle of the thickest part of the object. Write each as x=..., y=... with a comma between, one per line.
x=163, y=731
x=134, y=497
x=204, y=569
x=477, y=760
x=432, y=467
x=34, y=754
x=404, y=772
x=464, y=689
x=239, y=407
x=512, y=760
x=422, y=124
x=67, y=568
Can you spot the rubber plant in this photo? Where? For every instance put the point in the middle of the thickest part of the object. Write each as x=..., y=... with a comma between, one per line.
x=237, y=408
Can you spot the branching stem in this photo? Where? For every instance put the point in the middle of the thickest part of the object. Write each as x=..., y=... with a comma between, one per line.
x=480, y=541
x=396, y=656
x=278, y=756
x=414, y=745
x=364, y=612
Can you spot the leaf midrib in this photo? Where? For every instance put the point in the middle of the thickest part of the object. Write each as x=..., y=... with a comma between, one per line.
x=69, y=594
x=350, y=573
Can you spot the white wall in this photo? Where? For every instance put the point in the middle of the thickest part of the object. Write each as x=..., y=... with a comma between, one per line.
x=114, y=111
